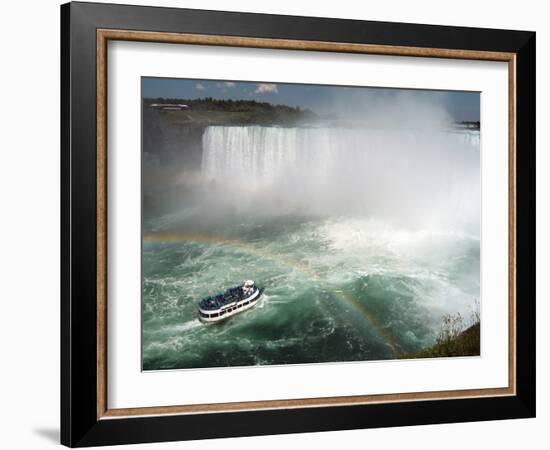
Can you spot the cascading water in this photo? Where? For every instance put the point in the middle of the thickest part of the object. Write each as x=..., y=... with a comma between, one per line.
x=262, y=154
x=363, y=239
x=327, y=171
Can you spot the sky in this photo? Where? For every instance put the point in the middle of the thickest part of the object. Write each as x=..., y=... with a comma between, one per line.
x=322, y=99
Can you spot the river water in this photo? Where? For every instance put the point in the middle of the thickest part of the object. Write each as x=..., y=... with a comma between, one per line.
x=362, y=240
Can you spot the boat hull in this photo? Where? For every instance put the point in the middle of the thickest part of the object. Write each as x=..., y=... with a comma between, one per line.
x=230, y=310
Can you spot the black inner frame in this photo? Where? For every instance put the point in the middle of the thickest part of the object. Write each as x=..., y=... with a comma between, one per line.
x=79, y=423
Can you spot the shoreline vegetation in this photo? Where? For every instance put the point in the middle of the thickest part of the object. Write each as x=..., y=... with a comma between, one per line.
x=453, y=339
x=210, y=111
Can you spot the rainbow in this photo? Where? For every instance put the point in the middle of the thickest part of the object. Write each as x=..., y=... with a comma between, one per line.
x=281, y=260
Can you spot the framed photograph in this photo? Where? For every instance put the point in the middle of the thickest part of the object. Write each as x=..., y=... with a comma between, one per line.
x=276, y=224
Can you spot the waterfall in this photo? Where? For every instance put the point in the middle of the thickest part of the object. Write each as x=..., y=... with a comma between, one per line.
x=327, y=166
x=258, y=155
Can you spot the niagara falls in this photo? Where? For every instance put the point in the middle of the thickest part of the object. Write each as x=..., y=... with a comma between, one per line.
x=361, y=224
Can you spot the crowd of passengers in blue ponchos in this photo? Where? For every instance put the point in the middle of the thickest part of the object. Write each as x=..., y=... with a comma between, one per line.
x=231, y=295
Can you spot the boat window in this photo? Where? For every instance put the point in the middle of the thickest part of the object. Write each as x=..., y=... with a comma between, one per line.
x=246, y=303
x=214, y=315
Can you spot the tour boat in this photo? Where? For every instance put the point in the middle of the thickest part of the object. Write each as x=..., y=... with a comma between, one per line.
x=231, y=302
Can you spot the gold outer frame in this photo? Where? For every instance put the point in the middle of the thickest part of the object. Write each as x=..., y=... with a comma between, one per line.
x=104, y=35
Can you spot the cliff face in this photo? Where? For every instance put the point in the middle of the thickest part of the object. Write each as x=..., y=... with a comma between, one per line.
x=170, y=137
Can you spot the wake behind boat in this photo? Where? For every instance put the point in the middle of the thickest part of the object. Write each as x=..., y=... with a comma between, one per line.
x=231, y=302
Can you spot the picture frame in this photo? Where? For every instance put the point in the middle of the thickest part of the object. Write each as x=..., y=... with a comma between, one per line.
x=86, y=29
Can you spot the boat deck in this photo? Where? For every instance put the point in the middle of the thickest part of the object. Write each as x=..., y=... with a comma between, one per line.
x=232, y=295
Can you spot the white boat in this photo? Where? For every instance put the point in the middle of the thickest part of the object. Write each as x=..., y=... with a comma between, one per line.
x=231, y=302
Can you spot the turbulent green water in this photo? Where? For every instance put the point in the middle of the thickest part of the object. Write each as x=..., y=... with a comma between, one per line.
x=340, y=286
x=335, y=291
